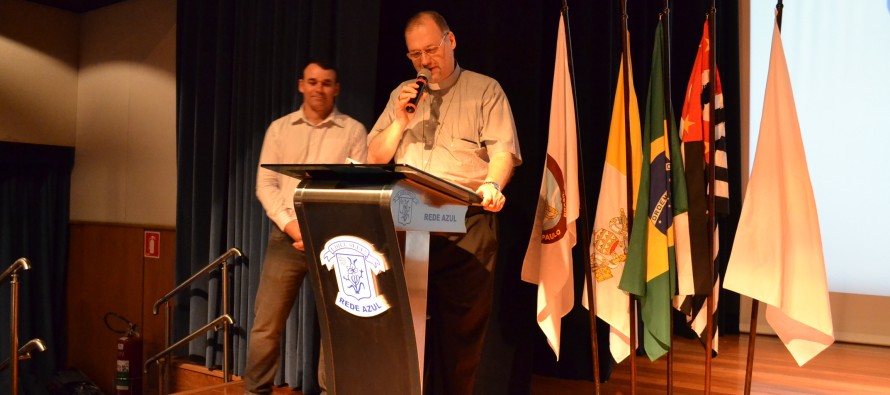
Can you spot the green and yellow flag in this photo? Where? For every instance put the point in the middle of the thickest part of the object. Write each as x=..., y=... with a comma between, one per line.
x=651, y=266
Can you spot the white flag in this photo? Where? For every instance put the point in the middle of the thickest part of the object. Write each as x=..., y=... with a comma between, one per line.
x=548, y=260
x=777, y=255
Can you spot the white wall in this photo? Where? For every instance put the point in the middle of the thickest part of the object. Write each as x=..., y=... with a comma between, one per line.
x=103, y=82
x=38, y=73
x=125, y=156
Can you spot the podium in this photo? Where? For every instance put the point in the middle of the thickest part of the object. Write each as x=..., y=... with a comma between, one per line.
x=369, y=284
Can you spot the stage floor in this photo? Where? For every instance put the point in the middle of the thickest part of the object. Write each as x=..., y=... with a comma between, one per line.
x=843, y=368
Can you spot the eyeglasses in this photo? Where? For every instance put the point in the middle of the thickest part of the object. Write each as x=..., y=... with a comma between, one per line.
x=430, y=51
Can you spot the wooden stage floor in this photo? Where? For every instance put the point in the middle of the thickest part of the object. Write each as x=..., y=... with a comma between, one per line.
x=843, y=368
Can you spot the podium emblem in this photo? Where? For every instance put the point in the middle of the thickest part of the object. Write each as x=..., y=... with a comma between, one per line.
x=356, y=265
x=405, y=200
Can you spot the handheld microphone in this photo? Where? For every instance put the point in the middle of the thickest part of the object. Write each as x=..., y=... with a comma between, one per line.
x=423, y=76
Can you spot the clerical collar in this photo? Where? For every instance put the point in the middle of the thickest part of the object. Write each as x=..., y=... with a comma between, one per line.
x=448, y=82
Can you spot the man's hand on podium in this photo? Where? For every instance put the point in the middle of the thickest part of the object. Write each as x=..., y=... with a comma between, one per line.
x=492, y=198
x=293, y=230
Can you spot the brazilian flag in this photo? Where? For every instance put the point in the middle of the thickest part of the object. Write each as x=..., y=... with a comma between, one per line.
x=651, y=266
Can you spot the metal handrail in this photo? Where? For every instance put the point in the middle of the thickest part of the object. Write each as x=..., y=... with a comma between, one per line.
x=25, y=352
x=222, y=320
x=168, y=323
x=19, y=264
x=13, y=273
x=207, y=269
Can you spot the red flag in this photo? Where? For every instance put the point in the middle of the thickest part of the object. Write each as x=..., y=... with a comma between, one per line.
x=695, y=280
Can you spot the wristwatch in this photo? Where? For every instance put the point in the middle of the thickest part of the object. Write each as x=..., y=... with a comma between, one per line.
x=494, y=184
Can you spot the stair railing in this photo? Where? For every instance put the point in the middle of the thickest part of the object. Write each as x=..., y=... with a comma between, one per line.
x=13, y=273
x=25, y=352
x=223, y=321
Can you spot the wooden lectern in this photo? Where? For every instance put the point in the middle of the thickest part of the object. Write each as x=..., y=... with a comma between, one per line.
x=370, y=290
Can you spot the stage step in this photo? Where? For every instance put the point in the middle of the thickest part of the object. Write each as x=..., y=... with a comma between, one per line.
x=186, y=376
x=192, y=379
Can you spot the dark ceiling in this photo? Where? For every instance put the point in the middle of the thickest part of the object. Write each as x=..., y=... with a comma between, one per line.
x=76, y=6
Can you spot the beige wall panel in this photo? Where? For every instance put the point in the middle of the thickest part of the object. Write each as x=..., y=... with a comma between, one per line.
x=38, y=73
x=125, y=164
x=100, y=173
x=152, y=149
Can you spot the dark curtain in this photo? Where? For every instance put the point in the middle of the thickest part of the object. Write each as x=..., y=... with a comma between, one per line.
x=238, y=63
x=34, y=192
x=226, y=99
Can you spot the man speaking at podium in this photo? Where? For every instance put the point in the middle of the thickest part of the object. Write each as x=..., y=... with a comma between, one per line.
x=315, y=134
x=461, y=130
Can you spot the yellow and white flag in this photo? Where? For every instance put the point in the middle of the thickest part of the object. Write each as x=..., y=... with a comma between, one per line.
x=610, y=239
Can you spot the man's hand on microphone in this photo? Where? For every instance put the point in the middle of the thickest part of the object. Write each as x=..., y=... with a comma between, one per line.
x=409, y=91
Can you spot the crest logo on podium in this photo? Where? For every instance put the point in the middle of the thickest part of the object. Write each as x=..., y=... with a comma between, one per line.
x=356, y=265
x=406, y=201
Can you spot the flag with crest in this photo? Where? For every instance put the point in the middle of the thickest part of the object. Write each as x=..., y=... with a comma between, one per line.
x=548, y=260
x=609, y=244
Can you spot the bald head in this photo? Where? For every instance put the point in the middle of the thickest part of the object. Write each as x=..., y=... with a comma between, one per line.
x=421, y=16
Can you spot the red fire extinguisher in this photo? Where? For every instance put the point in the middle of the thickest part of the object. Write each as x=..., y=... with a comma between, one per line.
x=128, y=371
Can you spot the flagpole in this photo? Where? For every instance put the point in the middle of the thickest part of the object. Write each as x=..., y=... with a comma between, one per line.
x=752, y=335
x=712, y=116
x=584, y=219
x=666, y=80
x=625, y=61
x=779, y=8
x=755, y=304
